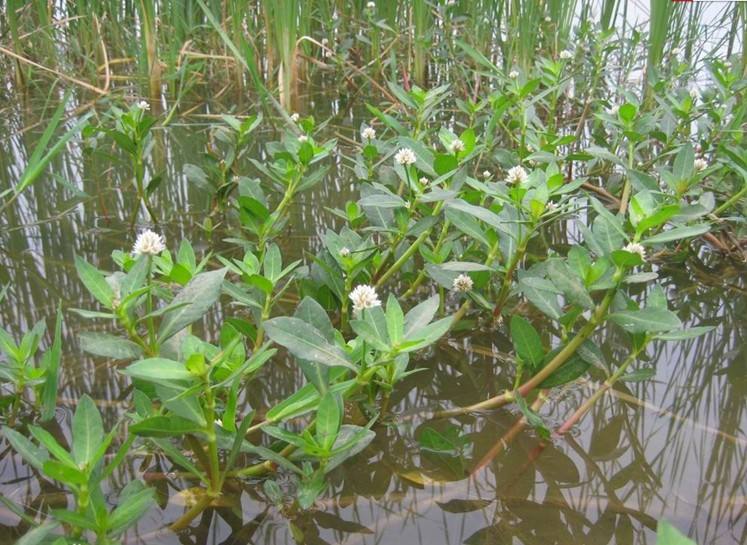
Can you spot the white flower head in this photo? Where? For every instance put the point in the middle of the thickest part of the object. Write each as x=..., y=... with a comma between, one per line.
x=303, y=138
x=700, y=164
x=694, y=94
x=424, y=181
x=516, y=175
x=612, y=110
x=295, y=117
x=548, y=19
x=369, y=133
x=148, y=243
x=325, y=41
x=462, y=283
x=328, y=53
x=727, y=64
x=565, y=54
x=456, y=146
x=635, y=248
x=405, y=156
x=143, y=105
x=371, y=5
x=486, y=174
x=513, y=74
x=551, y=206
x=364, y=296
x=344, y=251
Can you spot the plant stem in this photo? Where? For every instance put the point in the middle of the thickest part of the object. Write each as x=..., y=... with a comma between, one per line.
x=606, y=385
x=560, y=358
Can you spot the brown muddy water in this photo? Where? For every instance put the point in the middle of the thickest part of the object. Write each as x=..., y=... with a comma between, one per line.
x=673, y=447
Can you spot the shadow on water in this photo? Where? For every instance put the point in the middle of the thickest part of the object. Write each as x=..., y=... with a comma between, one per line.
x=673, y=447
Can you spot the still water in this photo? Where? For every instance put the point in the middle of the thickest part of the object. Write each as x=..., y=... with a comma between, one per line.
x=673, y=447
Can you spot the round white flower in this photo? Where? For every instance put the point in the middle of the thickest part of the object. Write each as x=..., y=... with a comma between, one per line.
x=513, y=74
x=456, y=146
x=700, y=164
x=551, y=206
x=325, y=41
x=424, y=181
x=295, y=117
x=462, y=283
x=486, y=174
x=303, y=138
x=143, y=105
x=516, y=175
x=148, y=243
x=364, y=296
x=548, y=19
x=369, y=133
x=565, y=55
x=635, y=248
x=405, y=156
x=727, y=64
x=694, y=94
x=371, y=5
x=344, y=251
x=328, y=54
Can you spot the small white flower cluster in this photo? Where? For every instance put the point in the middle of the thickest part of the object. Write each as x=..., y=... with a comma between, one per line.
x=486, y=174
x=456, y=146
x=548, y=19
x=371, y=5
x=513, y=74
x=369, y=133
x=516, y=175
x=363, y=297
x=295, y=117
x=344, y=251
x=700, y=164
x=405, y=156
x=143, y=105
x=462, y=283
x=694, y=94
x=566, y=54
x=148, y=243
x=552, y=206
x=424, y=181
x=636, y=248
x=303, y=138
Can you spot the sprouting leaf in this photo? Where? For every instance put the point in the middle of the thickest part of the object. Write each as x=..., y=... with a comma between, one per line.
x=678, y=233
x=666, y=534
x=165, y=426
x=159, y=370
x=328, y=420
x=684, y=334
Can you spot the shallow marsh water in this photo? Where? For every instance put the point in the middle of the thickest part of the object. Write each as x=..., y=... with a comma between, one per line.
x=673, y=447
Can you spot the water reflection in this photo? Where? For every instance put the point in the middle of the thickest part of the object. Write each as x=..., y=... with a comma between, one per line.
x=673, y=447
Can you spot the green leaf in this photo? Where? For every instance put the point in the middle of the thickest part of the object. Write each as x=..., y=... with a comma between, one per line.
x=639, y=375
x=134, y=502
x=95, y=282
x=420, y=316
x=88, y=430
x=165, y=426
x=109, y=346
x=526, y=340
x=395, y=320
x=201, y=293
x=328, y=420
x=678, y=233
x=64, y=473
x=50, y=443
x=38, y=535
x=568, y=372
x=305, y=341
x=647, y=320
x=159, y=370
x=684, y=334
x=666, y=534
x=33, y=455
x=51, y=365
